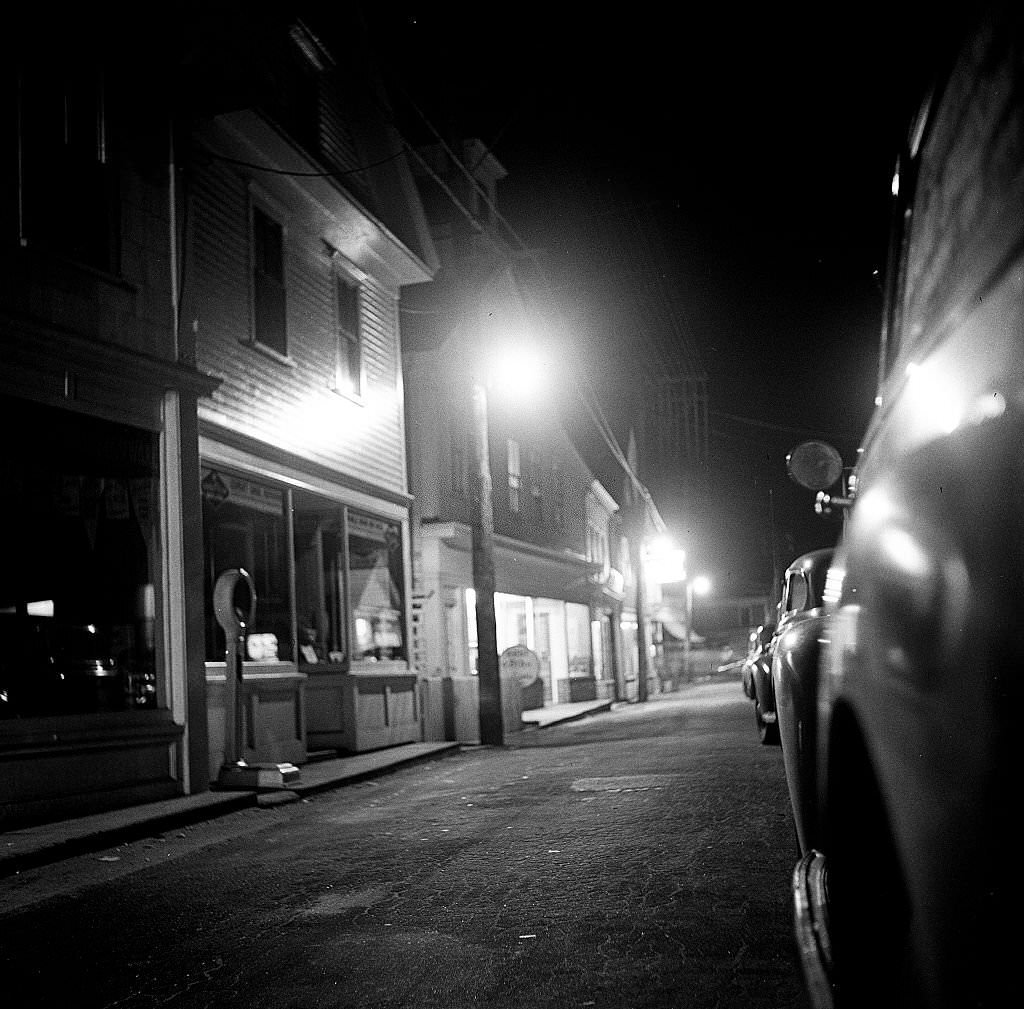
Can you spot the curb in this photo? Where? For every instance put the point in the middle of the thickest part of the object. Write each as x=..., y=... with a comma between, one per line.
x=575, y=716
x=35, y=846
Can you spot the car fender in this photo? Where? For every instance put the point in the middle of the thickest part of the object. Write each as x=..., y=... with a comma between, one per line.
x=795, y=684
x=924, y=658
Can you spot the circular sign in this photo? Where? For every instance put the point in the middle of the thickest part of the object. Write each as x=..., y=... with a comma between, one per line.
x=814, y=465
x=520, y=662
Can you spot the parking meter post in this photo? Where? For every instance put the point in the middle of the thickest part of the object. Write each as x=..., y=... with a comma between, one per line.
x=234, y=733
x=234, y=616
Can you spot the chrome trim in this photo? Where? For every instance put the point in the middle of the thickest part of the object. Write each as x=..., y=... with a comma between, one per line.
x=810, y=918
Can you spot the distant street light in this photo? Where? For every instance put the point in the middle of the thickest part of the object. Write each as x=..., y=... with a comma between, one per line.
x=700, y=584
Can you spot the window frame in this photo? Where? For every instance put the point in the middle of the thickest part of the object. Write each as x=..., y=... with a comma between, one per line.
x=536, y=469
x=259, y=203
x=353, y=520
x=48, y=216
x=342, y=278
x=514, y=469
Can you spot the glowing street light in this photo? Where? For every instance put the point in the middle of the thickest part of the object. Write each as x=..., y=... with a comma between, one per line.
x=701, y=585
x=666, y=563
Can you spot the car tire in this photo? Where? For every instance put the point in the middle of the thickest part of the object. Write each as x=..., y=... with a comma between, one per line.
x=767, y=732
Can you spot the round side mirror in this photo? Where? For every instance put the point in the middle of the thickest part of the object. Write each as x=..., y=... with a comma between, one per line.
x=814, y=465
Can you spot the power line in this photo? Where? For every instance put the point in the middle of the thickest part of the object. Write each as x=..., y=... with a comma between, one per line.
x=332, y=173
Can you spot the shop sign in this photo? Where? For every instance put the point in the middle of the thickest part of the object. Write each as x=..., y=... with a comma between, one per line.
x=374, y=529
x=217, y=488
x=520, y=662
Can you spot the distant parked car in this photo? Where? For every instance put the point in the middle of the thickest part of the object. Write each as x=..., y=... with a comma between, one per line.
x=757, y=672
x=802, y=586
x=907, y=769
x=758, y=642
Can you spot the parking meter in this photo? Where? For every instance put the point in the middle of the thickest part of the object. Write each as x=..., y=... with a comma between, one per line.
x=234, y=606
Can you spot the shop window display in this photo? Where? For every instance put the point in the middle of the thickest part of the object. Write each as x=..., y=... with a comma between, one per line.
x=244, y=526
x=320, y=582
x=346, y=578
x=375, y=570
x=78, y=598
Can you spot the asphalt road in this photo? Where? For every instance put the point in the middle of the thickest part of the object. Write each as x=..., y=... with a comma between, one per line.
x=638, y=858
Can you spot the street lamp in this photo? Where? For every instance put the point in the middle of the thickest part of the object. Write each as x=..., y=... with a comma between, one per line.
x=701, y=584
x=664, y=564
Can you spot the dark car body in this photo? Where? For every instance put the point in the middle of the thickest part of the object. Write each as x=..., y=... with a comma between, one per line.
x=801, y=595
x=758, y=643
x=906, y=768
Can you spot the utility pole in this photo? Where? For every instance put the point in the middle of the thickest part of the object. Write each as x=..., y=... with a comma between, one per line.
x=636, y=543
x=492, y=727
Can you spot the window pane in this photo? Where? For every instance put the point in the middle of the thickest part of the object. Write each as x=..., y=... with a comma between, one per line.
x=349, y=350
x=376, y=579
x=68, y=187
x=77, y=582
x=268, y=246
x=268, y=282
x=244, y=527
x=797, y=593
x=270, y=314
x=320, y=581
x=514, y=475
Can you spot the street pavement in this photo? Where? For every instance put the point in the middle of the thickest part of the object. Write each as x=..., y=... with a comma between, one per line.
x=639, y=857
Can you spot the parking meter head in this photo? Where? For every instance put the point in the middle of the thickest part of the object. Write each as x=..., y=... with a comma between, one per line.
x=234, y=601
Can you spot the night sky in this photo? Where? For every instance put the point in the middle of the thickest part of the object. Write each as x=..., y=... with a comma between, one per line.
x=755, y=148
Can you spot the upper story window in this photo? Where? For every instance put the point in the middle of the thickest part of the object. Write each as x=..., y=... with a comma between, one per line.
x=268, y=281
x=536, y=489
x=558, y=495
x=66, y=182
x=515, y=476
x=349, y=368
x=597, y=545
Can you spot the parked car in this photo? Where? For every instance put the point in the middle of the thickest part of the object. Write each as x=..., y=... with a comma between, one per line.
x=908, y=891
x=794, y=678
x=758, y=642
x=802, y=587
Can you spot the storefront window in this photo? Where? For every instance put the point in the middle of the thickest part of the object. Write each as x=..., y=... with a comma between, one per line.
x=348, y=574
x=510, y=613
x=78, y=511
x=320, y=581
x=244, y=525
x=376, y=578
x=577, y=625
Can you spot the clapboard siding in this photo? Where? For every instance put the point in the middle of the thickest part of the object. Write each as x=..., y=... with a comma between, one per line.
x=290, y=404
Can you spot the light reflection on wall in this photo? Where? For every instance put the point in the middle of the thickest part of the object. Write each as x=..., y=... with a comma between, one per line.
x=324, y=418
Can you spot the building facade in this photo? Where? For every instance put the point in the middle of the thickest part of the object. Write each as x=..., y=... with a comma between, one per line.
x=562, y=575
x=205, y=247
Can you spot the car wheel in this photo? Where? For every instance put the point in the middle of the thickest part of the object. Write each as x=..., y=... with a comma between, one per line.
x=767, y=732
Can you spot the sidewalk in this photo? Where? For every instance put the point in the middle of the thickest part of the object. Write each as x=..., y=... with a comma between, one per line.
x=556, y=714
x=51, y=842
